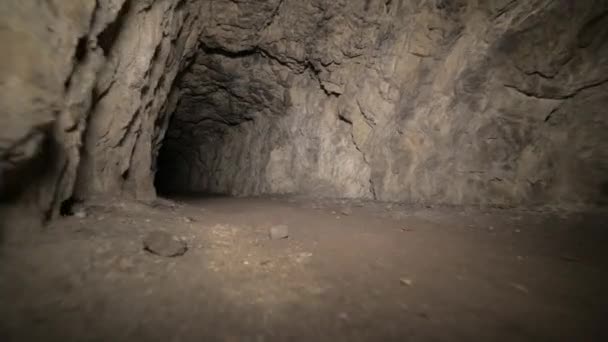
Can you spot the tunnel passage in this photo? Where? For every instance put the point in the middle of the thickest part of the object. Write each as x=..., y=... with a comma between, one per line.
x=393, y=109
x=335, y=102
x=223, y=99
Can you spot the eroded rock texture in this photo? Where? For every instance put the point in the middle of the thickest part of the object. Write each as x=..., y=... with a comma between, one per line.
x=495, y=102
x=436, y=101
x=82, y=86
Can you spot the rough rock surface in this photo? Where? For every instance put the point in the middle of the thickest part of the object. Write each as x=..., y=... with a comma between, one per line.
x=459, y=102
x=497, y=102
x=81, y=88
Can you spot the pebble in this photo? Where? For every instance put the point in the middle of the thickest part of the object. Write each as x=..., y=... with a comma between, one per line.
x=279, y=232
x=164, y=244
x=406, y=281
x=80, y=214
x=346, y=211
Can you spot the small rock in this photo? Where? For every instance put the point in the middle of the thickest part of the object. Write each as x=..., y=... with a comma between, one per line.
x=406, y=282
x=343, y=316
x=346, y=211
x=81, y=214
x=279, y=232
x=164, y=244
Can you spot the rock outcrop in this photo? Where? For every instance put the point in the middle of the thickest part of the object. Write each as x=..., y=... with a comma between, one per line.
x=82, y=85
x=461, y=102
x=457, y=102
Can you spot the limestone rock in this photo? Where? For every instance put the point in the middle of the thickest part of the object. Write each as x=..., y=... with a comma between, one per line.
x=457, y=103
x=164, y=244
x=346, y=211
x=80, y=95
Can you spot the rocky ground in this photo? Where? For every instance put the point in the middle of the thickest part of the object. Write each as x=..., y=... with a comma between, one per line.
x=347, y=271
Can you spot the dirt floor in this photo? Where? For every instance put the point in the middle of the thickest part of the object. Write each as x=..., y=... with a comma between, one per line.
x=349, y=271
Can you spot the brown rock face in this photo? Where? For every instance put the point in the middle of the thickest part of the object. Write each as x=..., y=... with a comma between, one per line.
x=459, y=102
x=433, y=101
x=81, y=88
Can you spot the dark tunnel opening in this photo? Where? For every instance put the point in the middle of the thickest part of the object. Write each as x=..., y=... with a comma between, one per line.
x=225, y=100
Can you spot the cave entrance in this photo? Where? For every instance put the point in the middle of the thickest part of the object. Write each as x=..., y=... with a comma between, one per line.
x=220, y=125
x=199, y=132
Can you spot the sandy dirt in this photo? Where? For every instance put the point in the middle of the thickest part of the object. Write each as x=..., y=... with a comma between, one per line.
x=349, y=271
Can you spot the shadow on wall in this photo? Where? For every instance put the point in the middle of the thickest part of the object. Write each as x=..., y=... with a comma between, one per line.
x=172, y=171
x=22, y=169
x=603, y=200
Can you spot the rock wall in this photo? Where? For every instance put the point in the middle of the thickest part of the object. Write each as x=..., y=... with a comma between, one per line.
x=496, y=102
x=82, y=84
x=460, y=102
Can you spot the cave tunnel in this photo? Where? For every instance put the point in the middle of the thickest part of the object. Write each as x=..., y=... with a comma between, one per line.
x=222, y=98
x=303, y=170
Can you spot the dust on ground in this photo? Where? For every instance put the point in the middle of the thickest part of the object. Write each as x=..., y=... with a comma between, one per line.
x=349, y=271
